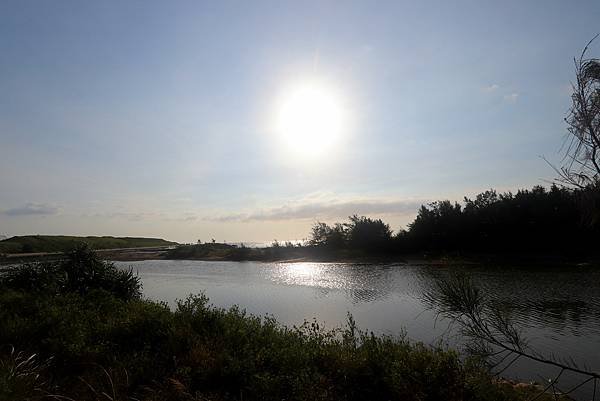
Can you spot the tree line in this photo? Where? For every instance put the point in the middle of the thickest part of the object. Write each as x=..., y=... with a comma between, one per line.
x=557, y=219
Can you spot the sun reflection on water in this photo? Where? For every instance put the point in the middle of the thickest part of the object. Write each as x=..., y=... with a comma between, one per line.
x=329, y=276
x=310, y=274
x=359, y=283
x=320, y=275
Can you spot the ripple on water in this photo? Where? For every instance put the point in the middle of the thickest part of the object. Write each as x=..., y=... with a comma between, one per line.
x=557, y=309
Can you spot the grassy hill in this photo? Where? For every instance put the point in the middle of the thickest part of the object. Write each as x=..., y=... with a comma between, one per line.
x=62, y=243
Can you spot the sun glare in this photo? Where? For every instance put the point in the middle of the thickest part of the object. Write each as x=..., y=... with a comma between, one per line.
x=309, y=119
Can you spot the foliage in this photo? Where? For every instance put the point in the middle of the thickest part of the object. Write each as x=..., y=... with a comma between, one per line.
x=359, y=233
x=494, y=339
x=368, y=234
x=21, y=376
x=334, y=237
x=82, y=271
x=200, y=251
x=529, y=221
x=98, y=345
x=582, y=158
x=63, y=243
x=220, y=251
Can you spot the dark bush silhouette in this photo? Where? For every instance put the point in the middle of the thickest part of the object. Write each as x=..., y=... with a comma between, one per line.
x=359, y=233
x=323, y=235
x=82, y=271
x=368, y=234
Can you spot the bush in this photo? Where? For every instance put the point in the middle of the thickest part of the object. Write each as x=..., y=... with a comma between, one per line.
x=82, y=271
x=133, y=347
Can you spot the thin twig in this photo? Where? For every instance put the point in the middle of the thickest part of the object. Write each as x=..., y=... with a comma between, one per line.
x=552, y=381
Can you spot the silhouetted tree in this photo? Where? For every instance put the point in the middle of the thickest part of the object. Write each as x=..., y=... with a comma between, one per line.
x=323, y=235
x=582, y=167
x=368, y=234
x=530, y=220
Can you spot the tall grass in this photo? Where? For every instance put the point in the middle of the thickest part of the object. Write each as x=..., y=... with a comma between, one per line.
x=21, y=376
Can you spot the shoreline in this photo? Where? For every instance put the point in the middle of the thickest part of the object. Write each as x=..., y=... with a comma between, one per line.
x=159, y=253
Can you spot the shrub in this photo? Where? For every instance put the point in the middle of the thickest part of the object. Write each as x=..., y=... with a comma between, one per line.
x=81, y=271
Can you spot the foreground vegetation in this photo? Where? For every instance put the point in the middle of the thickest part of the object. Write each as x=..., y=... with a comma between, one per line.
x=78, y=329
x=64, y=243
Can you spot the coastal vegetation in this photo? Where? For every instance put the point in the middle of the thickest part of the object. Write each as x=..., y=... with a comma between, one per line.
x=78, y=329
x=64, y=243
x=556, y=222
x=530, y=221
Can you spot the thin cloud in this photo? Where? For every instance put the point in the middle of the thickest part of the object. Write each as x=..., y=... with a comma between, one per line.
x=130, y=216
x=144, y=216
x=326, y=210
x=185, y=218
x=491, y=88
x=511, y=97
x=31, y=209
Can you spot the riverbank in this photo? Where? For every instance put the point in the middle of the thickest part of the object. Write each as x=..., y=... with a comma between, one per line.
x=118, y=254
x=294, y=253
x=233, y=253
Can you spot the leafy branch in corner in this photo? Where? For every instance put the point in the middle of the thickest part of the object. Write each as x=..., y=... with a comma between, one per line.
x=493, y=335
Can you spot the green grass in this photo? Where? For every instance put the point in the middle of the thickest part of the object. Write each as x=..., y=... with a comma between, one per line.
x=63, y=243
x=82, y=331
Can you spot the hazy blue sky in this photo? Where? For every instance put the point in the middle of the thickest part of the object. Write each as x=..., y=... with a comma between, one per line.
x=155, y=118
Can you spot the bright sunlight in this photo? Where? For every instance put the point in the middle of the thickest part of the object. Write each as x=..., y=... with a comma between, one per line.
x=309, y=119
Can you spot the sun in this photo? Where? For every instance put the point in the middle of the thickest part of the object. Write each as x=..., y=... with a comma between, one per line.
x=309, y=119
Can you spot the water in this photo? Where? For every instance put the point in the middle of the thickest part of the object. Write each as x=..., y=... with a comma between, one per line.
x=558, y=309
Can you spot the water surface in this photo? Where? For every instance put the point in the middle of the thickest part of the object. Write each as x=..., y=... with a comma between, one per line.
x=558, y=309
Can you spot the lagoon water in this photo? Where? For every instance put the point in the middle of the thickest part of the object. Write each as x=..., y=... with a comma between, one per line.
x=558, y=309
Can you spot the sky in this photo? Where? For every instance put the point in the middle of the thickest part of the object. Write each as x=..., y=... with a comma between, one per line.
x=155, y=118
